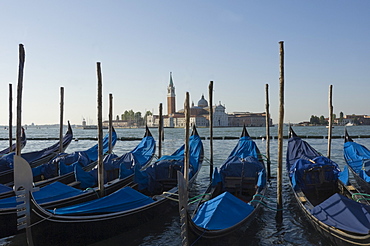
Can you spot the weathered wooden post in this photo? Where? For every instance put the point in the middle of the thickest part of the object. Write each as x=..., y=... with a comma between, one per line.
x=61, y=119
x=330, y=118
x=210, y=90
x=160, y=129
x=280, y=137
x=268, y=132
x=19, y=98
x=100, y=134
x=183, y=181
x=110, y=127
x=22, y=171
x=10, y=116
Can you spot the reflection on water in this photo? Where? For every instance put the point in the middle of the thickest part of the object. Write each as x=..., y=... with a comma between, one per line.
x=294, y=229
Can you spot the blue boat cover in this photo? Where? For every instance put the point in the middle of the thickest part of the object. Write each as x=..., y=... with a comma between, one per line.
x=297, y=171
x=83, y=158
x=124, y=165
x=299, y=149
x=4, y=188
x=53, y=192
x=245, y=147
x=243, y=159
x=343, y=213
x=145, y=150
x=357, y=156
x=167, y=166
x=119, y=201
x=6, y=161
x=243, y=167
x=222, y=212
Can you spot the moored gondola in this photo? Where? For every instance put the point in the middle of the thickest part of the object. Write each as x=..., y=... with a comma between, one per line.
x=324, y=195
x=233, y=199
x=149, y=196
x=13, y=147
x=34, y=158
x=56, y=194
x=357, y=157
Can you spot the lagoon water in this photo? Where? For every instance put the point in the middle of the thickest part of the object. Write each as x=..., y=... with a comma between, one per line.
x=293, y=230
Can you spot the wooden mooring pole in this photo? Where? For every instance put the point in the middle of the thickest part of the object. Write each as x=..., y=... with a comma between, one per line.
x=183, y=186
x=19, y=98
x=110, y=151
x=279, y=214
x=61, y=119
x=268, y=132
x=22, y=57
x=10, y=116
x=210, y=90
x=100, y=134
x=330, y=118
x=160, y=129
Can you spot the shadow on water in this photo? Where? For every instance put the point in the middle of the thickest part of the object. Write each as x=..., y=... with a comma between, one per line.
x=163, y=231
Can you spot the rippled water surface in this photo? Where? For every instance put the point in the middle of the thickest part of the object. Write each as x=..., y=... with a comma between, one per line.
x=292, y=230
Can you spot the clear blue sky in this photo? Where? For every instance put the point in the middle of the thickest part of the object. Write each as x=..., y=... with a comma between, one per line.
x=233, y=43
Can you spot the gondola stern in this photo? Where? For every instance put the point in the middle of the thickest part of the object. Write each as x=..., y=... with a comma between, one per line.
x=147, y=132
x=347, y=137
x=245, y=132
x=291, y=132
x=194, y=132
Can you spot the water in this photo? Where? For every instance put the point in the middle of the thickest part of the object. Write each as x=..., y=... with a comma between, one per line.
x=293, y=230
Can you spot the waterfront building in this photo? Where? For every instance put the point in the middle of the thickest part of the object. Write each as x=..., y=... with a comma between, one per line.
x=248, y=119
x=199, y=114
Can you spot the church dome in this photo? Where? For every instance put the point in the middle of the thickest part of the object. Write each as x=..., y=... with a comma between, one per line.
x=202, y=102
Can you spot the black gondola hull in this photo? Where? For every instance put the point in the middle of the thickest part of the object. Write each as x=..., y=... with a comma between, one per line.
x=331, y=234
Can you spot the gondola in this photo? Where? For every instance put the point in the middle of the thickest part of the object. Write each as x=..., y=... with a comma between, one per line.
x=323, y=193
x=357, y=157
x=50, y=172
x=57, y=194
x=65, y=163
x=34, y=158
x=150, y=196
x=14, y=146
x=233, y=199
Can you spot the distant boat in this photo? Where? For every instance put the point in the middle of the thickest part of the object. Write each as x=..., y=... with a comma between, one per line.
x=349, y=124
x=328, y=127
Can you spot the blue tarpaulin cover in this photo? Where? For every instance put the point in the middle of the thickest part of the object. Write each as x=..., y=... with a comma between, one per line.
x=139, y=156
x=168, y=165
x=235, y=167
x=53, y=192
x=121, y=200
x=83, y=158
x=244, y=158
x=357, y=156
x=245, y=147
x=6, y=161
x=343, y=213
x=4, y=188
x=298, y=169
x=299, y=149
x=222, y=212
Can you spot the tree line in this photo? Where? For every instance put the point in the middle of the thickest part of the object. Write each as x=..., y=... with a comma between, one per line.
x=315, y=120
x=134, y=118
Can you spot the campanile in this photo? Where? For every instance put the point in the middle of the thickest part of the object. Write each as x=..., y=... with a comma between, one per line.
x=171, y=97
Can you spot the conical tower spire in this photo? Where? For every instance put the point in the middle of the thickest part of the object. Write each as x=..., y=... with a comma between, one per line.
x=171, y=82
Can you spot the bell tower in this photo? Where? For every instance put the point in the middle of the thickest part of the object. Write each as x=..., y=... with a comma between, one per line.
x=171, y=97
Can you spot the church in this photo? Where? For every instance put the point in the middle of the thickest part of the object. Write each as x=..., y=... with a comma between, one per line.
x=199, y=114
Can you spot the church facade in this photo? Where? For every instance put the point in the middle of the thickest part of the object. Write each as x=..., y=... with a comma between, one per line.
x=199, y=114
